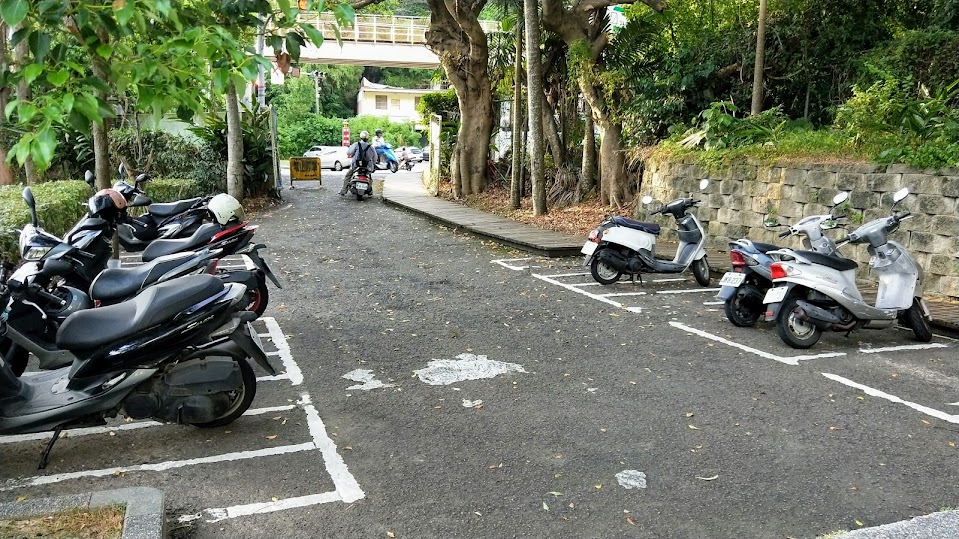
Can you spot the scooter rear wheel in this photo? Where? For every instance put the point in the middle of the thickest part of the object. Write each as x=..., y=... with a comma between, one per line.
x=701, y=271
x=918, y=323
x=793, y=331
x=745, y=307
x=242, y=398
x=602, y=272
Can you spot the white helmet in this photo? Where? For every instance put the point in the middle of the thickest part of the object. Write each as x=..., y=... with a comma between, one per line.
x=225, y=208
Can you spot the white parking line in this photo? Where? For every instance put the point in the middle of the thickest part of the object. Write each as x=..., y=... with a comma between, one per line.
x=892, y=398
x=506, y=263
x=688, y=291
x=903, y=347
x=279, y=340
x=714, y=303
x=618, y=294
x=577, y=290
x=793, y=360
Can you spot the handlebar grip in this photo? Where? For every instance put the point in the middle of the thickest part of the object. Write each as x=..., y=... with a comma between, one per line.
x=785, y=233
x=844, y=240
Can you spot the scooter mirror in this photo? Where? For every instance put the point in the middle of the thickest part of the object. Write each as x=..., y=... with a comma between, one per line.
x=771, y=222
x=123, y=171
x=90, y=178
x=647, y=199
x=840, y=198
x=828, y=224
x=32, y=204
x=900, y=195
x=703, y=184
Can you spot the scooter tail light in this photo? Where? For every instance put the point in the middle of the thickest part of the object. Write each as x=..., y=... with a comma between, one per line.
x=227, y=231
x=213, y=265
x=781, y=271
x=737, y=259
x=594, y=235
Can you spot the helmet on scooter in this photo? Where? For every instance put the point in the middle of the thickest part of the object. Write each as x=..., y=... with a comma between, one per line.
x=225, y=208
x=106, y=204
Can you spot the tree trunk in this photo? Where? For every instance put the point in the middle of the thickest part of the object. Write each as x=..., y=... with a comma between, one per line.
x=589, y=156
x=757, y=104
x=20, y=53
x=234, y=145
x=472, y=139
x=101, y=137
x=534, y=81
x=516, y=182
x=556, y=147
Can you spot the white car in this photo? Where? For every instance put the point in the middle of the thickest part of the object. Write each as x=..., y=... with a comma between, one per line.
x=331, y=157
x=414, y=154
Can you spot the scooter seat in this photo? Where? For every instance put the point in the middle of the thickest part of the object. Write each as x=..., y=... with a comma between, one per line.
x=835, y=262
x=765, y=247
x=166, y=209
x=651, y=228
x=201, y=237
x=116, y=284
x=92, y=328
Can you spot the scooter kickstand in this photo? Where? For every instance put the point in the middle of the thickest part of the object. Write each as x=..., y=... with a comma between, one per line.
x=45, y=456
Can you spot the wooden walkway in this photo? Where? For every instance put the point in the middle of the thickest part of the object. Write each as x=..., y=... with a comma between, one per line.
x=409, y=193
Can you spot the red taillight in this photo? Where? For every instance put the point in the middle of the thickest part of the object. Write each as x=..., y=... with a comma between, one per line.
x=227, y=232
x=594, y=235
x=737, y=259
x=213, y=265
x=777, y=271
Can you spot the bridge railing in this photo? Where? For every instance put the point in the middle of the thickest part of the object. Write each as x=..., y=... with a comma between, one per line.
x=381, y=28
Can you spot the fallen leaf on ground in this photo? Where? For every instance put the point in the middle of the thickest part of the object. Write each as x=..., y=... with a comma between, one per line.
x=545, y=507
x=271, y=437
x=630, y=521
x=694, y=427
x=713, y=478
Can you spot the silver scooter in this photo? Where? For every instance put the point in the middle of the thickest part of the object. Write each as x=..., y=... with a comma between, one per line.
x=742, y=289
x=817, y=292
x=620, y=245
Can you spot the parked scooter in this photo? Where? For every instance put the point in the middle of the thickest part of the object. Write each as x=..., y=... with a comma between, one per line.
x=385, y=158
x=361, y=184
x=816, y=292
x=161, y=221
x=179, y=352
x=620, y=245
x=744, y=287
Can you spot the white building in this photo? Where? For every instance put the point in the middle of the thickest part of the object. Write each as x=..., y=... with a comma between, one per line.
x=398, y=104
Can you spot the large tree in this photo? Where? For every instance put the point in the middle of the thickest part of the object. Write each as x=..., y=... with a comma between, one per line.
x=455, y=35
x=582, y=25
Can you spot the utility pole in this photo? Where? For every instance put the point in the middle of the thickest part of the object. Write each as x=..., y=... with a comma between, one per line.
x=317, y=77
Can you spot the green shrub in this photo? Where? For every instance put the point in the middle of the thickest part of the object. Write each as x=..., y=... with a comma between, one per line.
x=721, y=128
x=173, y=189
x=443, y=103
x=59, y=206
x=168, y=155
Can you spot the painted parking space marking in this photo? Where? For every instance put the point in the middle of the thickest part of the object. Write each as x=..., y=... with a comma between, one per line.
x=892, y=398
x=903, y=347
x=346, y=488
x=620, y=294
x=790, y=360
x=507, y=263
x=597, y=297
x=690, y=291
x=714, y=303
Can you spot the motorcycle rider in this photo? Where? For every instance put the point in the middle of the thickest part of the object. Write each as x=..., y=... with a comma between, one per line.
x=363, y=154
x=378, y=140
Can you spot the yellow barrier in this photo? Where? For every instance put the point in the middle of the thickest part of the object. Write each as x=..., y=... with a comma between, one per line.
x=305, y=169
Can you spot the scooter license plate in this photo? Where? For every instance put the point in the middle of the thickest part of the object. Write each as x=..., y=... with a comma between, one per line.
x=255, y=336
x=775, y=295
x=588, y=248
x=732, y=278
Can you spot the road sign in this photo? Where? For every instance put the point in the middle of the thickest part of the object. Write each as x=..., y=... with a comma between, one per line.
x=305, y=168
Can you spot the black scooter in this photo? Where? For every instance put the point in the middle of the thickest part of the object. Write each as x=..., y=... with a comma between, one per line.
x=178, y=352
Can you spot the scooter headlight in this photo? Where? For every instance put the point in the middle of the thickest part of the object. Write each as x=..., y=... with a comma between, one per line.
x=35, y=253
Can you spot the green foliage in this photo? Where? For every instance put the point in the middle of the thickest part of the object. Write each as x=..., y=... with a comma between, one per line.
x=171, y=189
x=397, y=134
x=296, y=136
x=159, y=153
x=59, y=206
x=927, y=56
x=257, y=157
x=720, y=128
x=443, y=103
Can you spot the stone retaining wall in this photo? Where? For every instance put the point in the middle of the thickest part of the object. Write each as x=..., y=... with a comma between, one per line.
x=741, y=196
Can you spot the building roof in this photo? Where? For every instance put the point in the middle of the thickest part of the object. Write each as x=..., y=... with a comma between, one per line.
x=366, y=85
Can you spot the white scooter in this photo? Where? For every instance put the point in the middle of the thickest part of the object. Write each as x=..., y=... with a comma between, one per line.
x=620, y=245
x=816, y=292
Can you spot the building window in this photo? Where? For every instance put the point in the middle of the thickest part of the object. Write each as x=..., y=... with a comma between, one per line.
x=381, y=102
x=396, y=104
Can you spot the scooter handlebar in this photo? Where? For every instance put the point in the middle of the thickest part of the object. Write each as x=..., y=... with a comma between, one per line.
x=785, y=233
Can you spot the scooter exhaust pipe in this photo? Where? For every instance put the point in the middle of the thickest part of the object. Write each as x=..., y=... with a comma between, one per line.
x=822, y=318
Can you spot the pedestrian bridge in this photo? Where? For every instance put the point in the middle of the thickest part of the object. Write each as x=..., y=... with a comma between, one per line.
x=373, y=40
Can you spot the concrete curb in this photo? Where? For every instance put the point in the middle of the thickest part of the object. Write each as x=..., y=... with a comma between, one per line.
x=144, y=518
x=933, y=526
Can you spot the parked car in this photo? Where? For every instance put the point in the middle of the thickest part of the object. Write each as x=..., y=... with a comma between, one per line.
x=331, y=157
x=414, y=154
x=425, y=153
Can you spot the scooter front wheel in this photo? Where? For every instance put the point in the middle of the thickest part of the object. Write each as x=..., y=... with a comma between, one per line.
x=602, y=272
x=745, y=307
x=701, y=271
x=793, y=331
x=917, y=322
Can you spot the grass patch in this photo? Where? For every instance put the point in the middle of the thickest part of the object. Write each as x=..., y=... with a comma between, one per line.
x=99, y=523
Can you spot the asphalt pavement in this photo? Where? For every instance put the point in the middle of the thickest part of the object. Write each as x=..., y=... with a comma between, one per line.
x=437, y=385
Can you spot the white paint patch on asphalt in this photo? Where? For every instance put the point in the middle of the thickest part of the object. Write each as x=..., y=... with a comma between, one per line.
x=441, y=372
x=470, y=404
x=630, y=479
x=366, y=378
x=792, y=360
x=892, y=398
x=903, y=347
x=283, y=348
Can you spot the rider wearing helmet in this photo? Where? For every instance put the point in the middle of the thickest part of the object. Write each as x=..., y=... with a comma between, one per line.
x=363, y=155
x=378, y=140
